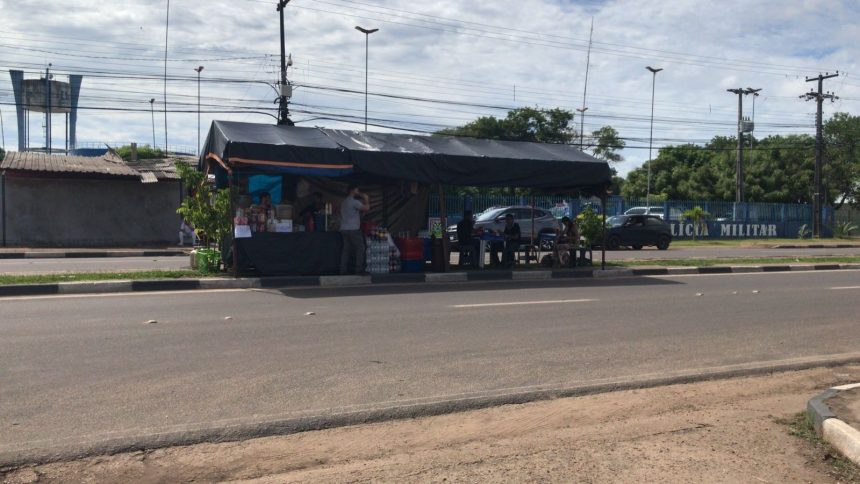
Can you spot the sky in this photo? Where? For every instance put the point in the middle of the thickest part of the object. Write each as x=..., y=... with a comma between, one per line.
x=434, y=64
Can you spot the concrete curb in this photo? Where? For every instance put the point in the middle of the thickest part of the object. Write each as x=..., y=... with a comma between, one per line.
x=843, y=437
x=817, y=246
x=80, y=254
x=416, y=408
x=96, y=287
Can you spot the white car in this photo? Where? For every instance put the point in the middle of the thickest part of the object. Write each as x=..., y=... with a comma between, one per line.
x=656, y=211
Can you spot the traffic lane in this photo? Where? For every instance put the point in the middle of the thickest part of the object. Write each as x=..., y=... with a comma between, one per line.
x=81, y=368
x=724, y=252
x=91, y=264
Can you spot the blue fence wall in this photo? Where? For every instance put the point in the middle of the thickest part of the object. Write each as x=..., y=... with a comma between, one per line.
x=727, y=219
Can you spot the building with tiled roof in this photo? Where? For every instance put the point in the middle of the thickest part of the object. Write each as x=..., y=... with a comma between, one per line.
x=65, y=201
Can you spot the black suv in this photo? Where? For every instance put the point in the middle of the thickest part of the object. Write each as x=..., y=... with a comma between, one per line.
x=637, y=231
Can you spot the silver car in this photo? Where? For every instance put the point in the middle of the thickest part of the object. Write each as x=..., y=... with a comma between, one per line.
x=494, y=219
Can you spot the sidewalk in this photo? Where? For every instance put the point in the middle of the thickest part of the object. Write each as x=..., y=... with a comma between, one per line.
x=70, y=252
x=732, y=430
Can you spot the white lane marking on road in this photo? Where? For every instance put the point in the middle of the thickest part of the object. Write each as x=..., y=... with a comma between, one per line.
x=521, y=303
x=118, y=294
x=778, y=273
x=844, y=287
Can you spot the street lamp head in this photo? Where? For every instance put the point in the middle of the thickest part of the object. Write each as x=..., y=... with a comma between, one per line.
x=151, y=100
x=198, y=69
x=582, y=110
x=654, y=70
x=366, y=31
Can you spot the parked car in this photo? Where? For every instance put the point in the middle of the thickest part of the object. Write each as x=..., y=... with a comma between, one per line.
x=494, y=219
x=637, y=231
x=657, y=211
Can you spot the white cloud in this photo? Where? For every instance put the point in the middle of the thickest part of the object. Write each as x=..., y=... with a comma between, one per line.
x=468, y=52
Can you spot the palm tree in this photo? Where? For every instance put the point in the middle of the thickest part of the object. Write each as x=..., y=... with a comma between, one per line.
x=698, y=216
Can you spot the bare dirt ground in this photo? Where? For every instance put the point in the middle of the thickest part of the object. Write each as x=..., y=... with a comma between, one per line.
x=718, y=431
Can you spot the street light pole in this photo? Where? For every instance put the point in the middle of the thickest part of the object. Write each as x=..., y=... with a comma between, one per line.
x=152, y=111
x=198, y=70
x=654, y=72
x=366, y=33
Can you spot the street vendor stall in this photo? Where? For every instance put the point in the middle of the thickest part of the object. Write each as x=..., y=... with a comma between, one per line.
x=398, y=171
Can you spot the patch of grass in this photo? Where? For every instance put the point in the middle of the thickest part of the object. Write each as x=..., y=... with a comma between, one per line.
x=6, y=280
x=759, y=242
x=840, y=468
x=734, y=261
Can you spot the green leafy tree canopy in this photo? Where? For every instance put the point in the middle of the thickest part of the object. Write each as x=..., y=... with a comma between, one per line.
x=144, y=152
x=206, y=208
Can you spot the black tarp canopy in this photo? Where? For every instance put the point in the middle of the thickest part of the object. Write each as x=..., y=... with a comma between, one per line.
x=425, y=159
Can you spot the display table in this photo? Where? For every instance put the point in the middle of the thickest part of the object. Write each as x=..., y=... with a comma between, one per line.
x=485, y=240
x=290, y=254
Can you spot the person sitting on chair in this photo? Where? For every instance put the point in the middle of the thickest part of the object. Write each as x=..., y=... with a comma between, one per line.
x=466, y=241
x=566, y=243
x=511, y=243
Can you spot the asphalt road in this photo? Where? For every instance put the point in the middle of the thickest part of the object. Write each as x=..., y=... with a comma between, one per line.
x=44, y=266
x=81, y=369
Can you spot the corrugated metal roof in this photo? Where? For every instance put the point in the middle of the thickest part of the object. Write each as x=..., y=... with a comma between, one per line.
x=148, y=177
x=95, y=165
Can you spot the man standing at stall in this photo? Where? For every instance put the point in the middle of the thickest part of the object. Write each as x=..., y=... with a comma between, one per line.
x=510, y=245
x=351, y=209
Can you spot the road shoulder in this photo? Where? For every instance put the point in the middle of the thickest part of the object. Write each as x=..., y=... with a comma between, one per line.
x=727, y=430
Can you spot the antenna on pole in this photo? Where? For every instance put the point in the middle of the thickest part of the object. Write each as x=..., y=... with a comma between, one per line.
x=585, y=89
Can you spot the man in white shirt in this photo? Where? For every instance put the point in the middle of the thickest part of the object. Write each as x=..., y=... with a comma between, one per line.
x=351, y=209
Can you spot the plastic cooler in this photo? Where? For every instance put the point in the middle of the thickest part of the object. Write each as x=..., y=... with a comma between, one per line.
x=411, y=253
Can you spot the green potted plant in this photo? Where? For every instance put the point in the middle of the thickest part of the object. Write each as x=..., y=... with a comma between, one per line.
x=207, y=210
x=590, y=226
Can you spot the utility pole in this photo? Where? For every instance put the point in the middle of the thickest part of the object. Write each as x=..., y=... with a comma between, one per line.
x=739, y=166
x=48, y=109
x=152, y=112
x=739, y=163
x=166, y=31
x=198, y=70
x=284, y=91
x=819, y=97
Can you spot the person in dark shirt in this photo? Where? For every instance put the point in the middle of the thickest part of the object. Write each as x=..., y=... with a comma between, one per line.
x=313, y=215
x=466, y=241
x=510, y=245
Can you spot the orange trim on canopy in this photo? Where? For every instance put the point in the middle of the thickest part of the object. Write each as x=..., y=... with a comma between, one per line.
x=288, y=163
x=213, y=156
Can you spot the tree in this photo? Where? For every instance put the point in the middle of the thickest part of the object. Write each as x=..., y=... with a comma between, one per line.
x=698, y=216
x=604, y=143
x=521, y=124
x=2, y=154
x=206, y=208
x=780, y=169
x=841, y=172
